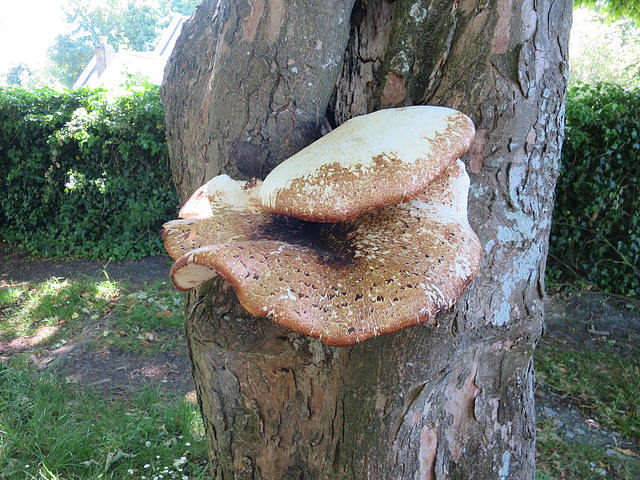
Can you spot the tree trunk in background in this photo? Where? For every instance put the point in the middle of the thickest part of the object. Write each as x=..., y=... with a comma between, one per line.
x=252, y=82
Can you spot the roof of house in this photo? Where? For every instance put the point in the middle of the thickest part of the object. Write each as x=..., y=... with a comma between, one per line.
x=126, y=62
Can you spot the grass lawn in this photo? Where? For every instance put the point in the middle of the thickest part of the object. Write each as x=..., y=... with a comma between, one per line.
x=144, y=320
x=52, y=428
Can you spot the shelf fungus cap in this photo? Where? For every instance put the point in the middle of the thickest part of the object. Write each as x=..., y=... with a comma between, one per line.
x=371, y=161
x=221, y=210
x=341, y=282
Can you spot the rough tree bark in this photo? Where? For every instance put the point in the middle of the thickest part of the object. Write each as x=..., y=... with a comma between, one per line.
x=253, y=81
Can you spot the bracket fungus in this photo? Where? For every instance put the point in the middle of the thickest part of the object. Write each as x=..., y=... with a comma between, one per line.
x=357, y=235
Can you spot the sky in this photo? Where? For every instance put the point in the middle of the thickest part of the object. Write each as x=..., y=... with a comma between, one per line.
x=27, y=28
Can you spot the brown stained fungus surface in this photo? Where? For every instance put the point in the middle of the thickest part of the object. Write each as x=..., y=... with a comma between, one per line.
x=344, y=282
x=383, y=158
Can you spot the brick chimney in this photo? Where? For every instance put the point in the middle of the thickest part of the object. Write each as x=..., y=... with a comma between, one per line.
x=104, y=55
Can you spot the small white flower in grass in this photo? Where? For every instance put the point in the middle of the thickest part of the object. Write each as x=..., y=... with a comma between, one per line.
x=146, y=465
x=184, y=477
x=27, y=466
x=130, y=471
x=188, y=444
x=147, y=443
x=179, y=462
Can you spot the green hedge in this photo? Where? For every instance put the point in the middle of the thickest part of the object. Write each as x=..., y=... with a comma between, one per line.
x=83, y=175
x=595, y=236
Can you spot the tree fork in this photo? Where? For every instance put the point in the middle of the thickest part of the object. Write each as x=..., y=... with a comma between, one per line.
x=454, y=402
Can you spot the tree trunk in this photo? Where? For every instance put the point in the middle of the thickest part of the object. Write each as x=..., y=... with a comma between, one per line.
x=253, y=81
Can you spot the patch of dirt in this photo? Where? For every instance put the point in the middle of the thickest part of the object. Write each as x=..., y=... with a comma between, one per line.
x=17, y=266
x=108, y=368
x=594, y=321
x=120, y=372
x=81, y=361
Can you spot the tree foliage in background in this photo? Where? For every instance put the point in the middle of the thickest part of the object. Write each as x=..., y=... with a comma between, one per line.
x=82, y=176
x=602, y=50
x=130, y=24
x=615, y=9
x=595, y=236
x=68, y=58
x=17, y=74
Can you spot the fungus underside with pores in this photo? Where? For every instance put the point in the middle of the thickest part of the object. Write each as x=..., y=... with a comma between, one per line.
x=362, y=233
